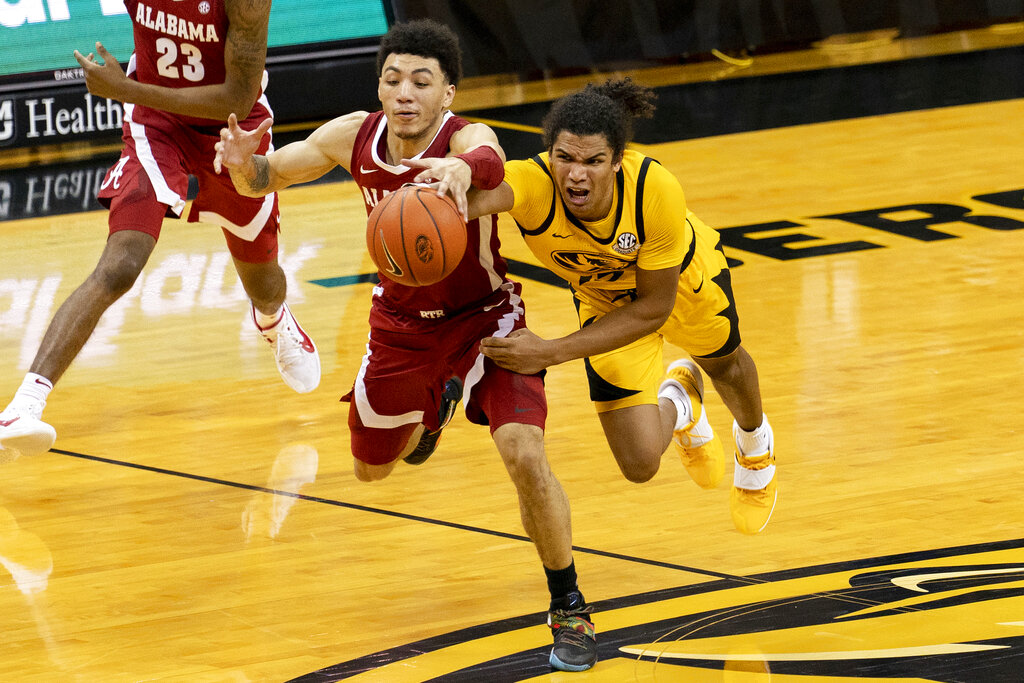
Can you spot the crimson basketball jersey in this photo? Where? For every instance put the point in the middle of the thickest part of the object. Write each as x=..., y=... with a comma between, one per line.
x=482, y=269
x=179, y=45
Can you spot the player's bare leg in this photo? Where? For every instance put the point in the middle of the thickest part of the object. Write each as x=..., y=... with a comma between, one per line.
x=543, y=505
x=735, y=380
x=544, y=510
x=22, y=430
x=638, y=435
x=123, y=258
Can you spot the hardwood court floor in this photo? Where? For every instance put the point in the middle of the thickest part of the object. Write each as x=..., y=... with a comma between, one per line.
x=198, y=521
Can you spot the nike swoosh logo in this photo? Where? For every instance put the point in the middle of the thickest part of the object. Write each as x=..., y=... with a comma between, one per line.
x=699, y=287
x=45, y=384
x=363, y=170
x=561, y=237
x=307, y=343
x=392, y=265
x=8, y=423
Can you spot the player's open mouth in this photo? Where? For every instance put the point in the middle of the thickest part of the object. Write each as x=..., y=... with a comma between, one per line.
x=577, y=196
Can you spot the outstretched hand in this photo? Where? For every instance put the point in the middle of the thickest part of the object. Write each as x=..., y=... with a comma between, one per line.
x=236, y=145
x=449, y=175
x=105, y=79
x=521, y=351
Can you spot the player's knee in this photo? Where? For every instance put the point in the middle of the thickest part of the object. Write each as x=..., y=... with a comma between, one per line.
x=736, y=368
x=366, y=472
x=114, y=280
x=376, y=451
x=264, y=282
x=528, y=469
x=639, y=468
x=522, y=450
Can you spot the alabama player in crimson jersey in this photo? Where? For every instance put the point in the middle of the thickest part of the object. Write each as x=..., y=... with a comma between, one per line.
x=193, y=64
x=423, y=351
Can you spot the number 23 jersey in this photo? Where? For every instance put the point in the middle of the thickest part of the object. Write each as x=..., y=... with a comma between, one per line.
x=180, y=45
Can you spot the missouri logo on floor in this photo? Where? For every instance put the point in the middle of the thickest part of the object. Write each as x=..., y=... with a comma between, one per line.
x=952, y=614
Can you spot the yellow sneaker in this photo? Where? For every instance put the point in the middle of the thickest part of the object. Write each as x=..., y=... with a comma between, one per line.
x=755, y=489
x=699, y=447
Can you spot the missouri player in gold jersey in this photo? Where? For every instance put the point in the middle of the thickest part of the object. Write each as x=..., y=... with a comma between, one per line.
x=643, y=269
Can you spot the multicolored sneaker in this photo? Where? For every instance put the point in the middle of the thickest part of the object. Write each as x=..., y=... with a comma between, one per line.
x=23, y=432
x=450, y=397
x=698, y=446
x=294, y=352
x=575, y=647
x=755, y=487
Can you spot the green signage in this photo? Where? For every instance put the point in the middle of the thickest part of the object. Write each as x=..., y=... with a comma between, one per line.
x=40, y=35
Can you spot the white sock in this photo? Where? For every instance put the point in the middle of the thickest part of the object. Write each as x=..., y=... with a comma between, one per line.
x=268, y=323
x=756, y=441
x=34, y=389
x=673, y=391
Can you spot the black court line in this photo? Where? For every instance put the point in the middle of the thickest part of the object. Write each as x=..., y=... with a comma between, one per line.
x=515, y=268
x=401, y=515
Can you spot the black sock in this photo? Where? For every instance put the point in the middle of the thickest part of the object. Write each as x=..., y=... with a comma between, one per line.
x=561, y=585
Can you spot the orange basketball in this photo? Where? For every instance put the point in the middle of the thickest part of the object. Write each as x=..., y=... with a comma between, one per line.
x=415, y=237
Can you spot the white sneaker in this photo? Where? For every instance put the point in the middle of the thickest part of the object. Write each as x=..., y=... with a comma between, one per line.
x=297, y=358
x=22, y=432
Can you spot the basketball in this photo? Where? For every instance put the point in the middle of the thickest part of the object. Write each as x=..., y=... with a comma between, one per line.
x=415, y=237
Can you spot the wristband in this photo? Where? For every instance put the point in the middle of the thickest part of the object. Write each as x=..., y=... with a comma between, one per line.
x=485, y=167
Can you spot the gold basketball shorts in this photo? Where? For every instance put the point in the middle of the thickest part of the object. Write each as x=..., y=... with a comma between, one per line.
x=703, y=322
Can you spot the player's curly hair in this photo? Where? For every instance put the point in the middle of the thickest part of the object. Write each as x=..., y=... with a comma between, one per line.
x=423, y=38
x=607, y=109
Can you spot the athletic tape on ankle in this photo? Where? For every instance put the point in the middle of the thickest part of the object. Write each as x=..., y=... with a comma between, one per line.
x=673, y=391
x=752, y=480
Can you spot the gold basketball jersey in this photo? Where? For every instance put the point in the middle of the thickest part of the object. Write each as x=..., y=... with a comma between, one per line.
x=646, y=228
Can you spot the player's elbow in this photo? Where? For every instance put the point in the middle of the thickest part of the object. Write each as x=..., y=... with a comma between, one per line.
x=239, y=99
x=652, y=316
x=241, y=105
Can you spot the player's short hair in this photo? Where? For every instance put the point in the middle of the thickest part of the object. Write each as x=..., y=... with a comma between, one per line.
x=423, y=38
x=607, y=109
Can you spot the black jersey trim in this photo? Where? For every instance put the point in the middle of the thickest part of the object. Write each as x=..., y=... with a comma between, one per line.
x=693, y=247
x=554, y=197
x=641, y=180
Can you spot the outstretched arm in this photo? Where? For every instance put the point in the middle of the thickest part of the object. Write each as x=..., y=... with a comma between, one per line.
x=485, y=202
x=526, y=353
x=245, y=52
x=256, y=175
x=475, y=159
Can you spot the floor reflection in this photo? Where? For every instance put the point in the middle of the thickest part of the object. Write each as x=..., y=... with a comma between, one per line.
x=294, y=467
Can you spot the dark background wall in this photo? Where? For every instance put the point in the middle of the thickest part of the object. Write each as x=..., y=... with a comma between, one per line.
x=533, y=39
x=544, y=37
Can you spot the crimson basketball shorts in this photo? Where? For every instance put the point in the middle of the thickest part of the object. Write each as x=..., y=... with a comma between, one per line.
x=403, y=373
x=150, y=182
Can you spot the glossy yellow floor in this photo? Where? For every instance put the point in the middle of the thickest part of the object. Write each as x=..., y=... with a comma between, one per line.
x=198, y=521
